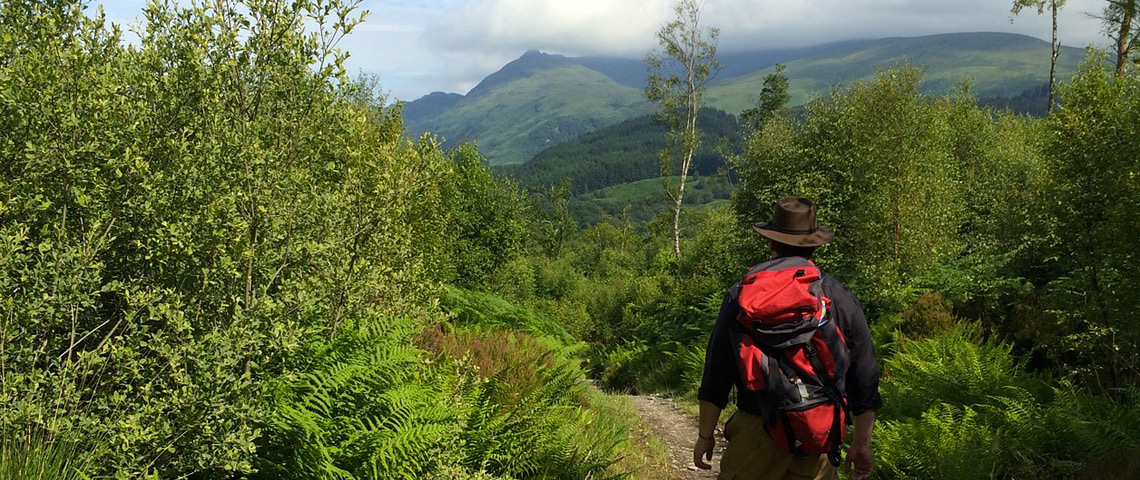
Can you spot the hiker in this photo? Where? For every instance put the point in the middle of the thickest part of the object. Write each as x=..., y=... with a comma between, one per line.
x=795, y=344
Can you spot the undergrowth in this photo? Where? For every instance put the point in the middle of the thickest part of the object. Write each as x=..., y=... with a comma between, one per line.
x=42, y=456
x=960, y=407
x=466, y=399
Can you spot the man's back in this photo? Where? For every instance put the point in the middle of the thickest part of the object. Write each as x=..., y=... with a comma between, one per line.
x=751, y=452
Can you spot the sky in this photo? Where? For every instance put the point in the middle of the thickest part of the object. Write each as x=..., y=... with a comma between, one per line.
x=419, y=47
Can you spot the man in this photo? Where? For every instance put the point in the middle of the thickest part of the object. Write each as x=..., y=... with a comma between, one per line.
x=751, y=453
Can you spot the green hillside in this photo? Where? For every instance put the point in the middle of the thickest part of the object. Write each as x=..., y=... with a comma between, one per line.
x=639, y=202
x=998, y=64
x=621, y=153
x=517, y=119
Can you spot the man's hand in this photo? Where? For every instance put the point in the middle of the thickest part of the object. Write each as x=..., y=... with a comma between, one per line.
x=703, y=448
x=710, y=415
x=864, y=461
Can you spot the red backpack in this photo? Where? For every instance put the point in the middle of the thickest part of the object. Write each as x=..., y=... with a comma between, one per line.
x=794, y=357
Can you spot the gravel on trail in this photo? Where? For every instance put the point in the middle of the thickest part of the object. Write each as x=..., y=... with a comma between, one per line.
x=677, y=430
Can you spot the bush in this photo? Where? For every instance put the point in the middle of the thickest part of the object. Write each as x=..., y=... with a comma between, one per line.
x=929, y=315
x=182, y=215
x=523, y=419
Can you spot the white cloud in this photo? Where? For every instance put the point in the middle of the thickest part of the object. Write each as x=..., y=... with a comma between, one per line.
x=420, y=46
x=472, y=39
x=582, y=27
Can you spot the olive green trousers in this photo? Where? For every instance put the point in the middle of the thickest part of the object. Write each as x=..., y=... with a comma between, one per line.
x=752, y=455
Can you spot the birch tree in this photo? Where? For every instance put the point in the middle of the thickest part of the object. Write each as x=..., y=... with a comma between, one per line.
x=1054, y=7
x=678, y=74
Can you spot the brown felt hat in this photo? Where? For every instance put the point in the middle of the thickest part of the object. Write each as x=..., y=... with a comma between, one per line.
x=793, y=223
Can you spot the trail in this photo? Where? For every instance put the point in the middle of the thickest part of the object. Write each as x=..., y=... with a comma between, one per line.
x=677, y=430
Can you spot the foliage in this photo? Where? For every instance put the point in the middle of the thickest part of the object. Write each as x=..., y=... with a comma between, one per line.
x=910, y=182
x=220, y=258
x=180, y=216
x=930, y=314
x=773, y=99
x=523, y=420
x=1092, y=147
x=879, y=160
x=486, y=310
x=962, y=408
x=486, y=230
x=365, y=407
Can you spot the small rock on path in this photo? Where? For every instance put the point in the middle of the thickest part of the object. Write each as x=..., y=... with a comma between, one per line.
x=677, y=430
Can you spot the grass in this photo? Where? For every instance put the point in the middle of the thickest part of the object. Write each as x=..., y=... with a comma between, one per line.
x=645, y=458
x=42, y=457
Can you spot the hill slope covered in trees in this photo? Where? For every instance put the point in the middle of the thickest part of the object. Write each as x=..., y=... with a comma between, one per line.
x=623, y=153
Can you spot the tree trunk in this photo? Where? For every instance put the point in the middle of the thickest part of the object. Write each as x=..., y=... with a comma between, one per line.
x=686, y=164
x=690, y=137
x=1123, y=38
x=677, y=219
x=1053, y=59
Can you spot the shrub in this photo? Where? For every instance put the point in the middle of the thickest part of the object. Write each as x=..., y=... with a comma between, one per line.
x=524, y=418
x=958, y=407
x=182, y=215
x=929, y=314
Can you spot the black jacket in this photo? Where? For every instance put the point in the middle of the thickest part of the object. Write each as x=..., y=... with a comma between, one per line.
x=721, y=372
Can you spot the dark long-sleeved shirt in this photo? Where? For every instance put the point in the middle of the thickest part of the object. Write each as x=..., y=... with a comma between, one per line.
x=721, y=365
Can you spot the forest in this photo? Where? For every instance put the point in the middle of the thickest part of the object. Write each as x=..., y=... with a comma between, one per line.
x=221, y=258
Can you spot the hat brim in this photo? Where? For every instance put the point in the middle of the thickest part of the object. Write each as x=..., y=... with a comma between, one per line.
x=820, y=236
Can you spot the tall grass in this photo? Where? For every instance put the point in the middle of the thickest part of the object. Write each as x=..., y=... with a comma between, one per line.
x=41, y=456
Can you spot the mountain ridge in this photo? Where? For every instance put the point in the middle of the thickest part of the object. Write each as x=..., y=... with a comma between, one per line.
x=546, y=107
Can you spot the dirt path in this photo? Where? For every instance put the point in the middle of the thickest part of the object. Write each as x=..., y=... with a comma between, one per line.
x=677, y=430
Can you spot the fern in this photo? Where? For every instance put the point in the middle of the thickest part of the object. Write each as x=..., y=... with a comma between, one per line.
x=540, y=432
x=960, y=408
x=477, y=309
x=945, y=442
x=947, y=368
x=364, y=410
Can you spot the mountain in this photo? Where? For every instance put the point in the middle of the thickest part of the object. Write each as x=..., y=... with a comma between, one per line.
x=997, y=64
x=431, y=105
x=533, y=102
x=541, y=100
